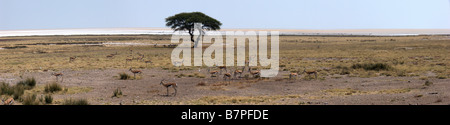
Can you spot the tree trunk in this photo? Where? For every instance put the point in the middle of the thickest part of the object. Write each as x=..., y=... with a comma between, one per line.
x=191, y=33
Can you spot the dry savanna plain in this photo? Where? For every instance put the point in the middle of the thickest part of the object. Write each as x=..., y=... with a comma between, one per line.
x=351, y=70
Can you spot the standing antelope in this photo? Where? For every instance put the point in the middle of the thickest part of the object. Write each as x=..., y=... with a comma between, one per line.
x=110, y=56
x=147, y=62
x=135, y=72
x=57, y=75
x=213, y=73
x=310, y=72
x=167, y=85
x=254, y=73
x=9, y=101
x=293, y=75
x=128, y=59
x=71, y=59
x=139, y=58
x=238, y=72
x=226, y=75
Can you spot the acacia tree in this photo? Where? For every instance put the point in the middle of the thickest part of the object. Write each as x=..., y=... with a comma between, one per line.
x=185, y=21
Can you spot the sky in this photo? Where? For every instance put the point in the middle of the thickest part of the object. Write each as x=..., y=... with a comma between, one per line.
x=251, y=14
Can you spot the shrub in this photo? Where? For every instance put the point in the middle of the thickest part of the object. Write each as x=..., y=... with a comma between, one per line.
x=52, y=87
x=75, y=102
x=441, y=77
x=124, y=76
x=372, y=66
x=345, y=71
x=16, y=91
x=19, y=90
x=29, y=83
x=428, y=83
x=48, y=99
x=117, y=93
x=30, y=100
x=5, y=89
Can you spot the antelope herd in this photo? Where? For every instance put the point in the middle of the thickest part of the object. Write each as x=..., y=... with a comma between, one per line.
x=218, y=70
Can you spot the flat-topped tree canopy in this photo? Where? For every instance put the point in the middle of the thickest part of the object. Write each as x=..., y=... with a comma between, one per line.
x=185, y=21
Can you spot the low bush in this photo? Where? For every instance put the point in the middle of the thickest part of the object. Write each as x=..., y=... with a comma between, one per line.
x=372, y=66
x=52, y=87
x=75, y=102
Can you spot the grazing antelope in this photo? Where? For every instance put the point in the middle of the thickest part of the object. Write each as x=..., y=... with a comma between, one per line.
x=310, y=72
x=9, y=101
x=167, y=85
x=254, y=73
x=57, y=75
x=135, y=72
x=213, y=73
x=71, y=59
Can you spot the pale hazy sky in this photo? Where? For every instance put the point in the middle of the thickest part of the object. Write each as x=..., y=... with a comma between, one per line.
x=261, y=14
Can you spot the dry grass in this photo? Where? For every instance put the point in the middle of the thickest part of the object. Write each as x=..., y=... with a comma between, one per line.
x=405, y=56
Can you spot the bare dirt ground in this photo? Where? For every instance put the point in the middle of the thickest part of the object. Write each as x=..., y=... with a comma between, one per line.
x=331, y=91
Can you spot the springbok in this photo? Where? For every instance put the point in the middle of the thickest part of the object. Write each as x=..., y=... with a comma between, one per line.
x=238, y=72
x=213, y=73
x=254, y=73
x=71, y=59
x=57, y=75
x=293, y=75
x=147, y=62
x=135, y=72
x=222, y=68
x=128, y=59
x=9, y=101
x=310, y=72
x=110, y=56
x=227, y=75
x=167, y=85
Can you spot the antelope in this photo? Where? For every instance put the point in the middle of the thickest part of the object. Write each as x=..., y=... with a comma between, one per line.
x=238, y=72
x=253, y=73
x=310, y=72
x=71, y=59
x=139, y=58
x=57, y=75
x=128, y=59
x=215, y=72
x=227, y=75
x=135, y=72
x=293, y=75
x=146, y=62
x=9, y=101
x=110, y=56
x=221, y=68
x=167, y=85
